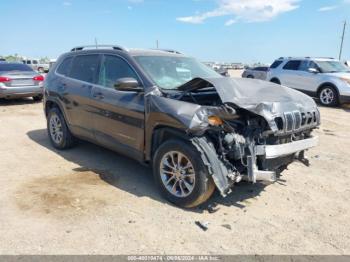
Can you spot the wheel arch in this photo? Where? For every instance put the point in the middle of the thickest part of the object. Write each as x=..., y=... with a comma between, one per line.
x=275, y=80
x=163, y=133
x=327, y=84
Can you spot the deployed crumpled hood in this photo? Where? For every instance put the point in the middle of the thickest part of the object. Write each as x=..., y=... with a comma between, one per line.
x=260, y=97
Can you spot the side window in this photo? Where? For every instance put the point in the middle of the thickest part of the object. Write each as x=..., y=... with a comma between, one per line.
x=35, y=62
x=292, y=65
x=29, y=62
x=276, y=64
x=314, y=65
x=304, y=65
x=112, y=69
x=85, y=67
x=64, y=67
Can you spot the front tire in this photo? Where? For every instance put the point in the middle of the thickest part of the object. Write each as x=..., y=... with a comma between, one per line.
x=328, y=96
x=181, y=175
x=59, y=134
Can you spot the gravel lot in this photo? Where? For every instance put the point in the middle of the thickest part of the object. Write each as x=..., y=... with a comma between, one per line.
x=89, y=200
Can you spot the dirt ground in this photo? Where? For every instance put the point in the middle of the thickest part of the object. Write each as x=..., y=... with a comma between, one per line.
x=89, y=200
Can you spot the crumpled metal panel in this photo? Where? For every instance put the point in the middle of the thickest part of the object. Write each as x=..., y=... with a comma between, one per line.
x=260, y=97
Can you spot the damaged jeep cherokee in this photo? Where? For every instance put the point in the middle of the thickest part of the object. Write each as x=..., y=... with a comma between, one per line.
x=198, y=130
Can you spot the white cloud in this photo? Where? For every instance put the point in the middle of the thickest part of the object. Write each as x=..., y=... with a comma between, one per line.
x=327, y=8
x=66, y=3
x=230, y=22
x=245, y=10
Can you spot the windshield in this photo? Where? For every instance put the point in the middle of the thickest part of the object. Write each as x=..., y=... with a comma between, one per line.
x=14, y=67
x=170, y=72
x=332, y=67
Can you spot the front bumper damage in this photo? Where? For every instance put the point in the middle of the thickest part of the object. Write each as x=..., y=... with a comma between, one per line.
x=225, y=176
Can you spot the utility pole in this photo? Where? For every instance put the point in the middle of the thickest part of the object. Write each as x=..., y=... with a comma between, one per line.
x=96, y=43
x=342, y=41
x=157, y=44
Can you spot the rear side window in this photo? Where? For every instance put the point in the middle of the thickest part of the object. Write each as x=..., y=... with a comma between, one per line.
x=276, y=64
x=112, y=69
x=85, y=67
x=64, y=67
x=292, y=65
x=262, y=69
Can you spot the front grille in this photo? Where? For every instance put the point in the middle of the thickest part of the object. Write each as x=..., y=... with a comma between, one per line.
x=295, y=121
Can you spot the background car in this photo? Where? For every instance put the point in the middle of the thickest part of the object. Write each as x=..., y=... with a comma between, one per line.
x=19, y=80
x=36, y=65
x=259, y=72
x=324, y=78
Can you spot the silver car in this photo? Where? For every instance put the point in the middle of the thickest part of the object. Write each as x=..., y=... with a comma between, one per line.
x=19, y=80
x=259, y=72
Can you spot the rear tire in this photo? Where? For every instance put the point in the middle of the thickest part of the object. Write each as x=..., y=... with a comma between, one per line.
x=275, y=81
x=328, y=96
x=38, y=98
x=181, y=175
x=59, y=134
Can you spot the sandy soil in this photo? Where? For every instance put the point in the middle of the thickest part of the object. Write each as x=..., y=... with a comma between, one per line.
x=89, y=200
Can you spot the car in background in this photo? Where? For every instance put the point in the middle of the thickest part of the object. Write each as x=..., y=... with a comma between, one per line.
x=259, y=72
x=2, y=60
x=327, y=79
x=36, y=65
x=221, y=70
x=19, y=80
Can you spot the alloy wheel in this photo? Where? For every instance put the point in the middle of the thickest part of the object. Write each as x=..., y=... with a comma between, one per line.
x=327, y=96
x=55, y=126
x=177, y=174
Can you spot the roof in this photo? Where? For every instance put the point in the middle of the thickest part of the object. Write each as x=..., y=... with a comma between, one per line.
x=132, y=52
x=307, y=58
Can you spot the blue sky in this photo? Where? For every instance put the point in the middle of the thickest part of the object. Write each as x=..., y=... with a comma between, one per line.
x=212, y=30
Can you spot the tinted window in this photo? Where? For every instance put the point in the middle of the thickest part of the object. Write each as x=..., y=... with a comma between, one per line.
x=84, y=68
x=112, y=69
x=276, y=64
x=261, y=68
x=64, y=67
x=35, y=62
x=29, y=62
x=304, y=65
x=14, y=67
x=292, y=65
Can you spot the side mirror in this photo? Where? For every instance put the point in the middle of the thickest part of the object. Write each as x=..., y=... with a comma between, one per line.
x=128, y=84
x=313, y=70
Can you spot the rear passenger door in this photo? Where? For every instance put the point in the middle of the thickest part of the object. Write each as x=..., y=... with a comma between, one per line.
x=118, y=115
x=75, y=91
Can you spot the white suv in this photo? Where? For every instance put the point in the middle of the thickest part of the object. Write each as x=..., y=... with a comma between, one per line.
x=325, y=78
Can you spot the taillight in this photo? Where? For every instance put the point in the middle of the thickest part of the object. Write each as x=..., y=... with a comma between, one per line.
x=38, y=78
x=4, y=79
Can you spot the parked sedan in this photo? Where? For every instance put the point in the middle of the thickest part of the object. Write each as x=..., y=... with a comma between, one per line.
x=19, y=80
x=259, y=72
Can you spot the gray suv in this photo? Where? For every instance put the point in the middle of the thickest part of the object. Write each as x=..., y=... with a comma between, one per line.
x=197, y=129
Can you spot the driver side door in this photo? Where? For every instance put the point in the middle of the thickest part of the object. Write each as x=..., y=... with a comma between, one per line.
x=308, y=81
x=119, y=116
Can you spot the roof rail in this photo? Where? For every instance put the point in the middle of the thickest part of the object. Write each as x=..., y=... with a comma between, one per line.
x=114, y=47
x=169, y=51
